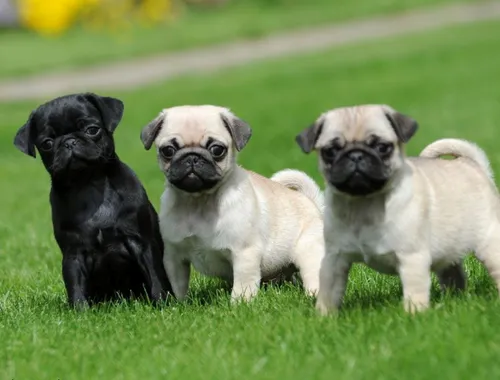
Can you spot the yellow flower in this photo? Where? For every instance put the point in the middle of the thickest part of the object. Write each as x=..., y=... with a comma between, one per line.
x=154, y=10
x=50, y=16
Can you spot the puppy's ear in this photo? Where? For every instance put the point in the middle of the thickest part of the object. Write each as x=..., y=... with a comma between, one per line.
x=308, y=137
x=25, y=137
x=404, y=126
x=239, y=130
x=111, y=109
x=150, y=131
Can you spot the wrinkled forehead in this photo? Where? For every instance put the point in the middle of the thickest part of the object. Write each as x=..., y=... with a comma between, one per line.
x=356, y=124
x=193, y=128
x=65, y=116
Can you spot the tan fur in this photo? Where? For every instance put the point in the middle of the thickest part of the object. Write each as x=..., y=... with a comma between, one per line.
x=358, y=124
x=189, y=128
x=301, y=182
x=248, y=228
x=427, y=218
x=458, y=148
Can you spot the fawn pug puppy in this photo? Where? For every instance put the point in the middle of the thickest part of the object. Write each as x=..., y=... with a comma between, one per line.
x=400, y=215
x=229, y=222
x=103, y=221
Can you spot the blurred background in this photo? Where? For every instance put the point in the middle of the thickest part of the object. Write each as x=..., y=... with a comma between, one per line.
x=49, y=35
x=435, y=60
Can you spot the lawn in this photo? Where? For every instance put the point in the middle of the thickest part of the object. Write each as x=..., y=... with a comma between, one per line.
x=22, y=52
x=447, y=80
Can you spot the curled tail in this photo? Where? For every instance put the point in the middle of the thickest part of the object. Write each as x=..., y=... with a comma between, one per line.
x=301, y=182
x=459, y=148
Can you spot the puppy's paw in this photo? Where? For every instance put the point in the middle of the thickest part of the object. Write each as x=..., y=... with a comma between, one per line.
x=80, y=305
x=237, y=300
x=323, y=309
x=158, y=295
x=244, y=292
x=242, y=297
x=312, y=292
x=415, y=306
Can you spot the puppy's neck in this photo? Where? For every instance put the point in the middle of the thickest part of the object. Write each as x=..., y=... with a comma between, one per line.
x=348, y=208
x=369, y=209
x=86, y=177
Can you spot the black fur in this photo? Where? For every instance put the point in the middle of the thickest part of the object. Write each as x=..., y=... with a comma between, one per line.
x=239, y=130
x=151, y=130
x=103, y=221
x=358, y=168
x=308, y=137
x=404, y=126
x=194, y=170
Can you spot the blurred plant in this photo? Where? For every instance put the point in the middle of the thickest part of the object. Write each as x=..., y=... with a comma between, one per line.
x=206, y=2
x=50, y=17
x=155, y=10
x=116, y=14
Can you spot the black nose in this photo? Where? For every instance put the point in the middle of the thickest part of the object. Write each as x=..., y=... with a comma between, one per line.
x=192, y=159
x=356, y=156
x=70, y=143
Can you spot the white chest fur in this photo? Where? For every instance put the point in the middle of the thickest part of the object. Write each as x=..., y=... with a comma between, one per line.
x=205, y=259
x=366, y=231
x=205, y=231
x=369, y=244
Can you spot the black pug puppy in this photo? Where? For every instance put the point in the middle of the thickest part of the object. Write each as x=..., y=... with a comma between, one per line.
x=103, y=221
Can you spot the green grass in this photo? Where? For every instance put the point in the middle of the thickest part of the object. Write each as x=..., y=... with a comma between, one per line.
x=23, y=52
x=445, y=79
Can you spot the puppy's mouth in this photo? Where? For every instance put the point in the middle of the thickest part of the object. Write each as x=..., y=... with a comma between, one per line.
x=358, y=173
x=360, y=184
x=193, y=172
x=193, y=183
x=73, y=161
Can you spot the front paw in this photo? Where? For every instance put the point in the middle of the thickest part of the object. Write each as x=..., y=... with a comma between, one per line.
x=158, y=295
x=312, y=292
x=238, y=296
x=414, y=306
x=235, y=300
x=79, y=305
x=325, y=309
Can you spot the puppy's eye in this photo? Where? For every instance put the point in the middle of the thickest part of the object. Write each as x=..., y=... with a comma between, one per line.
x=217, y=151
x=47, y=144
x=328, y=154
x=92, y=131
x=384, y=148
x=167, y=152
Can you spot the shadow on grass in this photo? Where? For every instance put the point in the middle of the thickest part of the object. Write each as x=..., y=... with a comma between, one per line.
x=381, y=291
x=367, y=290
x=210, y=292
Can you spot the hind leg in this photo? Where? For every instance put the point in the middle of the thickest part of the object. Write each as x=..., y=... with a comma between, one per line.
x=415, y=274
x=246, y=274
x=452, y=278
x=489, y=255
x=308, y=256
